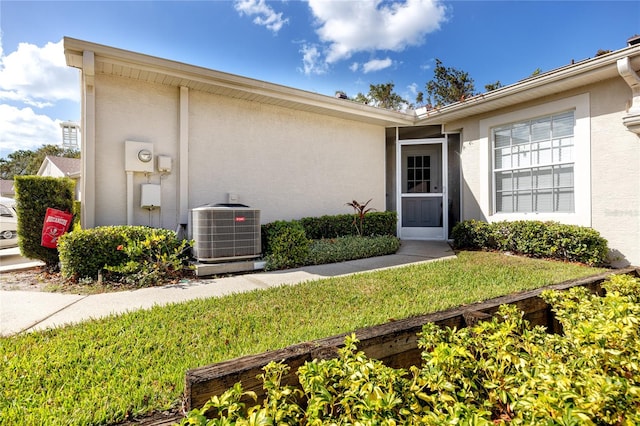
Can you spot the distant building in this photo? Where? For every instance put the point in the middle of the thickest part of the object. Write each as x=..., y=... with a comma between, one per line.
x=70, y=132
x=6, y=188
x=62, y=167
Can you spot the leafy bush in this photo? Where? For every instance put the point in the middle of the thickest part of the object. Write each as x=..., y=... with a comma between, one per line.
x=348, y=248
x=534, y=238
x=157, y=258
x=327, y=239
x=133, y=250
x=472, y=234
x=375, y=223
x=497, y=372
x=286, y=244
x=327, y=226
x=34, y=194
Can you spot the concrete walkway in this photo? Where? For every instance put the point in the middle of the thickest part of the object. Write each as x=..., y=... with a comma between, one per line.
x=22, y=311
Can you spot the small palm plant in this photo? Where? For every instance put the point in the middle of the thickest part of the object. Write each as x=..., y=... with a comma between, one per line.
x=360, y=210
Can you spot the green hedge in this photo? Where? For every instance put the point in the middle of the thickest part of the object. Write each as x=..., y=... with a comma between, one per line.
x=342, y=249
x=375, y=223
x=533, y=238
x=285, y=244
x=86, y=252
x=34, y=194
x=327, y=239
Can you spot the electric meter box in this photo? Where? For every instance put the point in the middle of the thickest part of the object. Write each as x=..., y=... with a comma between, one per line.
x=138, y=157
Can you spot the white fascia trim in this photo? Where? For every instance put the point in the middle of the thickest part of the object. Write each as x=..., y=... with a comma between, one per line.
x=582, y=158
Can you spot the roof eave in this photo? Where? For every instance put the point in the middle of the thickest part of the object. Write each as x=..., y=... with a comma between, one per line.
x=555, y=81
x=139, y=66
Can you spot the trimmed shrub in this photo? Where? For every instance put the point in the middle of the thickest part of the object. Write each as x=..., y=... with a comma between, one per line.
x=327, y=239
x=578, y=244
x=328, y=226
x=342, y=249
x=332, y=226
x=533, y=238
x=285, y=244
x=472, y=234
x=34, y=194
x=85, y=253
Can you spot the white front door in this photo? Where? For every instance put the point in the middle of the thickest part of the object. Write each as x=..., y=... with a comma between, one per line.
x=422, y=174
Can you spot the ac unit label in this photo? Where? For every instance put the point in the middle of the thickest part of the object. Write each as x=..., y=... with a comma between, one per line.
x=240, y=219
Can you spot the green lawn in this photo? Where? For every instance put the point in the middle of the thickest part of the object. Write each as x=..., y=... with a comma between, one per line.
x=106, y=370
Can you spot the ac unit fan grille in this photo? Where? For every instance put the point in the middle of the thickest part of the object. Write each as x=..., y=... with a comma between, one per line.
x=224, y=234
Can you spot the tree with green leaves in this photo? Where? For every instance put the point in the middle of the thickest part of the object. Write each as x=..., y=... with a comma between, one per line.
x=492, y=86
x=26, y=162
x=382, y=96
x=449, y=85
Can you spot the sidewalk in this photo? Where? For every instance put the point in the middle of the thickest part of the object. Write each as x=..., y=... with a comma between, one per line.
x=22, y=311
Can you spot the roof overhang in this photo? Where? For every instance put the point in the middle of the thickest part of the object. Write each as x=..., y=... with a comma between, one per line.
x=559, y=80
x=136, y=66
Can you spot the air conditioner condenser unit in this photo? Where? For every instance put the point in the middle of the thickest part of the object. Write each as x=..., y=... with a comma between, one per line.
x=225, y=232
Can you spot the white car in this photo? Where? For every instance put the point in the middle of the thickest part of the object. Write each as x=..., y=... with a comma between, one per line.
x=8, y=223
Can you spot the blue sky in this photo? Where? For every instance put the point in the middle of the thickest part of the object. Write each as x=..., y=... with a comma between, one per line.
x=316, y=45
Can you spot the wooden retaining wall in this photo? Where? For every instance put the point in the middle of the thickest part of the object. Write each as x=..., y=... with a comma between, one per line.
x=394, y=343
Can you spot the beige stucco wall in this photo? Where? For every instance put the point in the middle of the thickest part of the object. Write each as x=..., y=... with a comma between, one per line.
x=614, y=167
x=615, y=177
x=131, y=110
x=287, y=163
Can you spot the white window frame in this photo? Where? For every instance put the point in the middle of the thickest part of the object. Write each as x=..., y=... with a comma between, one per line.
x=581, y=156
x=530, y=151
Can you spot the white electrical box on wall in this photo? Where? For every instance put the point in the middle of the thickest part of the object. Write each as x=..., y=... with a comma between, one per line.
x=164, y=163
x=149, y=196
x=138, y=157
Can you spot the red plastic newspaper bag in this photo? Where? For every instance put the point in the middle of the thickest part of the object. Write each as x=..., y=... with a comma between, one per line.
x=56, y=223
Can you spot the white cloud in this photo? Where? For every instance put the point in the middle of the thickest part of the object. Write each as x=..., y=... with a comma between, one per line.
x=312, y=60
x=22, y=128
x=267, y=17
x=354, y=66
x=370, y=25
x=413, y=89
x=376, y=65
x=32, y=78
x=38, y=76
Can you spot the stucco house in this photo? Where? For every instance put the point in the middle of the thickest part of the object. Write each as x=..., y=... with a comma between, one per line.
x=561, y=146
x=6, y=188
x=62, y=167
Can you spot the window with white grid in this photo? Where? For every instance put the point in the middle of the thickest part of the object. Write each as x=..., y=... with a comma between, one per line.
x=533, y=165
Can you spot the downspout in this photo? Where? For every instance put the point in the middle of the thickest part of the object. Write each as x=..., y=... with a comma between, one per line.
x=183, y=183
x=129, y=198
x=88, y=213
x=631, y=77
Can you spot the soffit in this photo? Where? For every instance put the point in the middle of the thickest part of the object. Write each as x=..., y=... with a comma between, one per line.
x=135, y=66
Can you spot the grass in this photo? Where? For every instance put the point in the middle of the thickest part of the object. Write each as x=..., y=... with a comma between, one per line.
x=112, y=369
